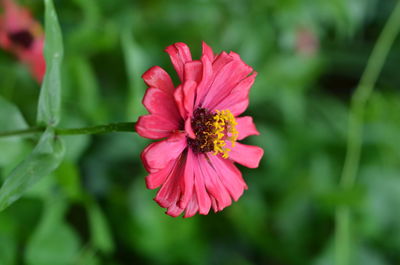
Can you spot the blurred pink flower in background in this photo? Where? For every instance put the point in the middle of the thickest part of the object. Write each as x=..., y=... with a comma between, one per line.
x=199, y=126
x=23, y=36
x=307, y=42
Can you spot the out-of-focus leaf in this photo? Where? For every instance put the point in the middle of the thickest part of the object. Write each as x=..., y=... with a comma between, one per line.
x=10, y=119
x=82, y=37
x=53, y=242
x=10, y=116
x=68, y=178
x=45, y=158
x=88, y=257
x=157, y=232
x=87, y=89
x=50, y=94
x=100, y=233
x=8, y=241
x=133, y=61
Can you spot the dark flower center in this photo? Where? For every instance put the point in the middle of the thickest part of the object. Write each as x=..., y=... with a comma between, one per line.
x=22, y=38
x=212, y=130
x=202, y=122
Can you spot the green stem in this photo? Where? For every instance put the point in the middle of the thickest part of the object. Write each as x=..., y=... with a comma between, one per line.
x=113, y=127
x=354, y=141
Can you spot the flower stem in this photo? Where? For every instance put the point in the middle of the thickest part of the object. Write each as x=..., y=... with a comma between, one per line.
x=374, y=66
x=112, y=127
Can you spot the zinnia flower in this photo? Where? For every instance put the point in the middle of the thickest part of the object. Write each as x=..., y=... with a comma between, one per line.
x=22, y=35
x=199, y=124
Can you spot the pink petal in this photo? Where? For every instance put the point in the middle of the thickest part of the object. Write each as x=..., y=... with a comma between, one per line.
x=246, y=155
x=203, y=198
x=189, y=129
x=156, y=179
x=159, y=102
x=235, y=56
x=238, y=99
x=187, y=182
x=180, y=101
x=170, y=191
x=207, y=51
x=230, y=176
x=213, y=184
x=220, y=61
x=192, y=207
x=193, y=71
x=189, y=89
x=246, y=127
x=225, y=81
x=174, y=210
x=214, y=204
x=206, y=80
x=154, y=126
x=16, y=17
x=157, y=77
x=179, y=54
x=157, y=155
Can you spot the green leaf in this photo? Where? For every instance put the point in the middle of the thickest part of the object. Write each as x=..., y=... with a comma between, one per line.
x=87, y=88
x=100, y=233
x=10, y=119
x=134, y=61
x=53, y=242
x=50, y=93
x=43, y=160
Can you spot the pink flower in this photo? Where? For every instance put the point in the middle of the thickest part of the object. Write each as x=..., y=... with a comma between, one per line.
x=199, y=124
x=22, y=35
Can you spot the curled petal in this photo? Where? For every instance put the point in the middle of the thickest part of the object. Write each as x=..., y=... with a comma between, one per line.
x=179, y=54
x=207, y=51
x=158, y=78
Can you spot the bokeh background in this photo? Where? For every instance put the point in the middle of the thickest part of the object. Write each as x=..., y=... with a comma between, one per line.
x=309, y=54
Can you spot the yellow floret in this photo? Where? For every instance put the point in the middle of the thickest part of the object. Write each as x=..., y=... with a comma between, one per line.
x=224, y=129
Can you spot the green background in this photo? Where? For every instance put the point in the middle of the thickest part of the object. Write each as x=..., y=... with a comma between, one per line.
x=95, y=208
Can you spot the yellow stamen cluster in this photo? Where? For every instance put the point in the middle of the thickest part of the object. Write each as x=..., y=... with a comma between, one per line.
x=224, y=129
x=213, y=131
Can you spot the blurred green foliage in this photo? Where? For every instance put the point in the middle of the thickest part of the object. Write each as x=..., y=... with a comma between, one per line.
x=95, y=209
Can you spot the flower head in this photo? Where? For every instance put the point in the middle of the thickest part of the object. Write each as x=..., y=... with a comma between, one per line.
x=22, y=35
x=199, y=126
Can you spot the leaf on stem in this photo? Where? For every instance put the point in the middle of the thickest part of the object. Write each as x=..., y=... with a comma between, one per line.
x=50, y=93
x=43, y=160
